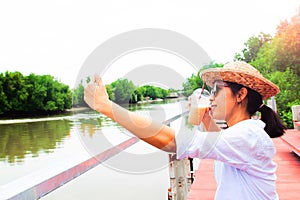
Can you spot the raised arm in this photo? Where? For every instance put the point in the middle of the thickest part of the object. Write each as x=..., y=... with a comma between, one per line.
x=154, y=133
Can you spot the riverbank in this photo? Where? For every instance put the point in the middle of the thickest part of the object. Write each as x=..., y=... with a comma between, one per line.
x=27, y=114
x=150, y=101
x=78, y=109
x=40, y=114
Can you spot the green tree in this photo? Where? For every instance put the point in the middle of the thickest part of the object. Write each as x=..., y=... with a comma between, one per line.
x=287, y=45
x=123, y=90
x=78, y=95
x=140, y=93
x=29, y=94
x=283, y=51
x=191, y=84
x=37, y=92
x=4, y=104
x=264, y=59
x=150, y=91
x=14, y=87
x=110, y=92
x=63, y=96
x=279, y=60
x=252, y=47
x=59, y=96
x=154, y=92
x=194, y=82
x=289, y=94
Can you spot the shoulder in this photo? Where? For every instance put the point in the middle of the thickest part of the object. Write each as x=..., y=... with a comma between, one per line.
x=248, y=134
x=246, y=129
x=249, y=125
x=251, y=133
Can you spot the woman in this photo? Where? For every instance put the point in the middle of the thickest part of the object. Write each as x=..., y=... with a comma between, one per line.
x=243, y=152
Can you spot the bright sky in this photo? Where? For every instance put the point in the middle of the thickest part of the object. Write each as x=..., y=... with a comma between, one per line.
x=56, y=37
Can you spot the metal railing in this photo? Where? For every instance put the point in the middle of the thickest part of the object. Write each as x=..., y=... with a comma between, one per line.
x=18, y=190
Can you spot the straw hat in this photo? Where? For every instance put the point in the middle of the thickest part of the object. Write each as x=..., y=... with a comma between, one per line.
x=243, y=74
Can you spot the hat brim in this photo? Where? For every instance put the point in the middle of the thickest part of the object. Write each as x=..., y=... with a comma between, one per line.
x=257, y=83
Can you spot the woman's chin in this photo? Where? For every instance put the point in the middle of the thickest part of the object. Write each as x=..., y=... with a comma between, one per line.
x=218, y=117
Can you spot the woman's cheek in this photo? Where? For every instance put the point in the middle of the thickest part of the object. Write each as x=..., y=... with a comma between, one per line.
x=219, y=113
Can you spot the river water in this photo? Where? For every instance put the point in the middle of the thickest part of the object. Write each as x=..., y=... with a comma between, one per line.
x=33, y=146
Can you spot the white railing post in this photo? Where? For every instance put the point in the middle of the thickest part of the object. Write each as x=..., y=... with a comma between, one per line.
x=296, y=116
x=180, y=179
x=180, y=173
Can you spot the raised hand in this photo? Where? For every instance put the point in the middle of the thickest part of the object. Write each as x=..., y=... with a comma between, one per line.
x=95, y=95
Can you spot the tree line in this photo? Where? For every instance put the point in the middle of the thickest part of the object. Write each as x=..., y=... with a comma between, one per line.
x=32, y=94
x=123, y=91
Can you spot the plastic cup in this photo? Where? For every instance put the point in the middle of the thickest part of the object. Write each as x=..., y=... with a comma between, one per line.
x=198, y=106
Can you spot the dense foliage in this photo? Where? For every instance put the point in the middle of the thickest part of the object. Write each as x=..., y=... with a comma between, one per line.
x=289, y=85
x=191, y=84
x=195, y=81
x=252, y=47
x=32, y=94
x=124, y=91
x=278, y=59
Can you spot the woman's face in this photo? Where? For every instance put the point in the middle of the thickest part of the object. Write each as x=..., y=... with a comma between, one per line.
x=223, y=101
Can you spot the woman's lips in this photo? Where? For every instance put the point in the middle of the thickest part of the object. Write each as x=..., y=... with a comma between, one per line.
x=211, y=109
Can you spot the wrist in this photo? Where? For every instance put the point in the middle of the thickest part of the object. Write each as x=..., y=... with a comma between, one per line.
x=105, y=108
x=206, y=119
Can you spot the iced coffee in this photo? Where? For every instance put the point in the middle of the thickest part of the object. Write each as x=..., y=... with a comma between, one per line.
x=199, y=104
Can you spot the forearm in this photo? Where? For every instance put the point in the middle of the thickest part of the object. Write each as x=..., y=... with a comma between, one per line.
x=154, y=133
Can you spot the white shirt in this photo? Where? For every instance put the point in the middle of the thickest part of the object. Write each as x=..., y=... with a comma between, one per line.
x=243, y=159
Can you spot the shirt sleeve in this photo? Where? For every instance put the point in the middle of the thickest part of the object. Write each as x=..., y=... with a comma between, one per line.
x=235, y=149
x=195, y=144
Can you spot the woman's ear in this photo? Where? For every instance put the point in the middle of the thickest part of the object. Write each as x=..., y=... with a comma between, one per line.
x=241, y=95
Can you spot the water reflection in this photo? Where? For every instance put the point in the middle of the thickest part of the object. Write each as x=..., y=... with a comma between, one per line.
x=91, y=122
x=88, y=122
x=22, y=139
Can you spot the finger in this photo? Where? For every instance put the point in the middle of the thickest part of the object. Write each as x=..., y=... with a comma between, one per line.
x=89, y=91
x=89, y=95
x=98, y=79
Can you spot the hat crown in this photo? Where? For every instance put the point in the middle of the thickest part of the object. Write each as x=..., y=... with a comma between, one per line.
x=242, y=66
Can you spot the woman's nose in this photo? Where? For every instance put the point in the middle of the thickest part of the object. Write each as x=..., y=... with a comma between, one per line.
x=211, y=98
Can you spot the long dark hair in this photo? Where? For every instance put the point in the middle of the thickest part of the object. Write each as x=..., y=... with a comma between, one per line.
x=274, y=126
